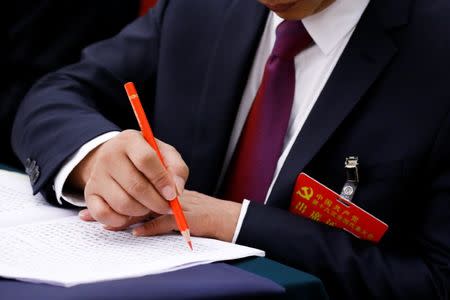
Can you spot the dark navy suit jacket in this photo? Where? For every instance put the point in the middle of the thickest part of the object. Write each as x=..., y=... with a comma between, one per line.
x=387, y=101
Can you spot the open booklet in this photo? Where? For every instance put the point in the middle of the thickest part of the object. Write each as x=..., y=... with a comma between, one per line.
x=42, y=243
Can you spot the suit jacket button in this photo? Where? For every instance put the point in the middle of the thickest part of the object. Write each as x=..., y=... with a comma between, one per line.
x=27, y=163
x=32, y=165
x=34, y=176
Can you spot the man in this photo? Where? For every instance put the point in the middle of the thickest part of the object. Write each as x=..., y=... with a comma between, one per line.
x=370, y=80
x=43, y=36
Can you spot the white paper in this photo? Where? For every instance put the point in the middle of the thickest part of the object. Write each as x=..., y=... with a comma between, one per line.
x=67, y=251
x=15, y=194
x=19, y=206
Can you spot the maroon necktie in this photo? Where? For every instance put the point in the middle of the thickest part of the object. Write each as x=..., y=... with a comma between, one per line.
x=255, y=158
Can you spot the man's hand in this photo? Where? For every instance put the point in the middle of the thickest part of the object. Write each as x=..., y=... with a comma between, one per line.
x=124, y=178
x=206, y=216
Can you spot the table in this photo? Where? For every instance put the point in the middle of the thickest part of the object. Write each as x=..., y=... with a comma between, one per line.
x=275, y=278
x=253, y=278
x=298, y=284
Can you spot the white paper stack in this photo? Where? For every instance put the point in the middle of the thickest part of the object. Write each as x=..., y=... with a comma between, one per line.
x=41, y=243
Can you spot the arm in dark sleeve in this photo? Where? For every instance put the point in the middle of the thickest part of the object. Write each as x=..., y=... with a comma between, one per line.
x=66, y=109
x=35, y=46
x=409, y=263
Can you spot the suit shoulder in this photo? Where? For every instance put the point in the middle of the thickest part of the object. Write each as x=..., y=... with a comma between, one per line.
x=427, y=30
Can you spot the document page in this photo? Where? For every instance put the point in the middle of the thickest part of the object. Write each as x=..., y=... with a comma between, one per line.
x=19, y=206
x=69, y=251
x=41, y=243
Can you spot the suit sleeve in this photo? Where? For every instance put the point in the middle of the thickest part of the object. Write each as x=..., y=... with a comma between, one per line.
x=35, y=46
x=411, y=262
x=67, y=108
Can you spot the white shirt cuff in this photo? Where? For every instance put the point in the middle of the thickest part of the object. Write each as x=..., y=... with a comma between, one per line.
x=244, y=207
x=71, y=163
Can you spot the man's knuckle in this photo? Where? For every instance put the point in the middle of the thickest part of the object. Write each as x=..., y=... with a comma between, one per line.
x=101, y=213
x=184, y=170
x=122, y=205
x=160, y=179
x=141, y=160
x=137, y=187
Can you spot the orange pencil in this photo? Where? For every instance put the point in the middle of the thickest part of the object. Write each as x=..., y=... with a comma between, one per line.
x=148, y=136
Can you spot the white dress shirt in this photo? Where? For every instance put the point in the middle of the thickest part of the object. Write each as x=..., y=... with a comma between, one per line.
x=330, y=30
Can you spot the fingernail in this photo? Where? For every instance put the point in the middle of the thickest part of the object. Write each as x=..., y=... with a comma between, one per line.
x=137, y=231
x=168, y=193
x=82, y=213
x=180, y=184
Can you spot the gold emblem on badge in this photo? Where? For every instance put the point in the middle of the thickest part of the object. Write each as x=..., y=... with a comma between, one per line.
x=305, y=192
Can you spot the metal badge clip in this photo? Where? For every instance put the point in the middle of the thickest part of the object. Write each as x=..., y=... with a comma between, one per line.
x=352, y=174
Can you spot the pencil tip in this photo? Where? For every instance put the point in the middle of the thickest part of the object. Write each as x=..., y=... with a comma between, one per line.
x=187, y=236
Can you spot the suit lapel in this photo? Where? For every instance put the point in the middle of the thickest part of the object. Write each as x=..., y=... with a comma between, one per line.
x=368, y=52
x=227, y=75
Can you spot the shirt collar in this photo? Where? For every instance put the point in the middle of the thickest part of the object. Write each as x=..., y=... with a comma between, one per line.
x=328, y=27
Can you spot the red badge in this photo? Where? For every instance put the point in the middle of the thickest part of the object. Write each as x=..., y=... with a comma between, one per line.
x=314, y=200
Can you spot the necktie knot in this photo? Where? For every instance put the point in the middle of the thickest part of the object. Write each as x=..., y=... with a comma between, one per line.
x=291, y=38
